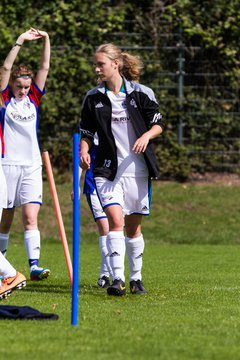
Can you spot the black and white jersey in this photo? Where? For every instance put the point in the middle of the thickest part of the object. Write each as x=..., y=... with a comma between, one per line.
x=97, y=113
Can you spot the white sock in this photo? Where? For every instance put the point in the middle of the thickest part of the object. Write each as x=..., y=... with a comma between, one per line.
x=6, y=269
x=4, y=243
x=116, y=250
x=135, y=247
x=105, y=268
x=32, y=243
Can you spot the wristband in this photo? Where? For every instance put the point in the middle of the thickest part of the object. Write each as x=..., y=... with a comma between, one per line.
x=18, y=44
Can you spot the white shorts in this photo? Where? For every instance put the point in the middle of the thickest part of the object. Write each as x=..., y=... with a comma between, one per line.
x=24, y=184
x=95, y=206
x=133, y=194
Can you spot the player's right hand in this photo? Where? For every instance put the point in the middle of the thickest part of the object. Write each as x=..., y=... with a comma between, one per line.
x=85, y=161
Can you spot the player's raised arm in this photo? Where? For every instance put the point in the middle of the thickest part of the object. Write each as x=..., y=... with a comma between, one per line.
x=5, y=70
x=42, y=72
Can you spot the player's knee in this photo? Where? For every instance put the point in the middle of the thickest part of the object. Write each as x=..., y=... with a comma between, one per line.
x=133, y=232
x=30, y=222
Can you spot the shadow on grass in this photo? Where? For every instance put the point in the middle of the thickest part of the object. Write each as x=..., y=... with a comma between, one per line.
x=85, y=289
x=94, y=292
x=47, y=288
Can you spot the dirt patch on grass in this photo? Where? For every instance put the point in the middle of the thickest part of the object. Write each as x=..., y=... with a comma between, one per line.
x=216, y=179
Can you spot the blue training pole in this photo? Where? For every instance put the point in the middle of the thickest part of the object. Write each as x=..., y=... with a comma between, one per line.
x=76, y=229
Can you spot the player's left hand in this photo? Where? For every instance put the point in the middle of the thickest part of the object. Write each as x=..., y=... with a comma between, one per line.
x=141, y=144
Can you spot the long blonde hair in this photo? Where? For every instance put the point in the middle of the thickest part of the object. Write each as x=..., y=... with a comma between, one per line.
x=129, y=65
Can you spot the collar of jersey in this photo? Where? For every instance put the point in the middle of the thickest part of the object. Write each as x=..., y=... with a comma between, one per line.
x=123, y=90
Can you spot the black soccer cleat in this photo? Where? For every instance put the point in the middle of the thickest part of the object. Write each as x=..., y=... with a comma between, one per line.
x=136, y=287
x=103, y=282
x=117, y=288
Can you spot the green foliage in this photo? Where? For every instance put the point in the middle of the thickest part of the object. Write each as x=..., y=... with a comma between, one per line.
x=209, y=34
x=173, y=162
x=75, y=28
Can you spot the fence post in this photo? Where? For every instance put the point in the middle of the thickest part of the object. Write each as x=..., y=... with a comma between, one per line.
x=180, y=75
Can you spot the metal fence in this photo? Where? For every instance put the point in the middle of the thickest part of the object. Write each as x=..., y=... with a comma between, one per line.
x=192, y=84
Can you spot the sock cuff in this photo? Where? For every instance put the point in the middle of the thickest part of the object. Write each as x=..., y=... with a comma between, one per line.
x=32, y=243
x=133, y=240
x=30, y=233
x=116, y=234
x=102, y=239
x=4, y=236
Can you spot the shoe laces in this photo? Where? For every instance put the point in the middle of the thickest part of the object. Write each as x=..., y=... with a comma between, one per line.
x=138, y=284
x=116, y=281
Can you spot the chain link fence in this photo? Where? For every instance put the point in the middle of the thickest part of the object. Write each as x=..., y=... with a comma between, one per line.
x=196, y=96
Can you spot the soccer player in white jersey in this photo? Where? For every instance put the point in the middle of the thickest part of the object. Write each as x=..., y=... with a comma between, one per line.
x=125, y=115
x=10, y=279
x=22, y=163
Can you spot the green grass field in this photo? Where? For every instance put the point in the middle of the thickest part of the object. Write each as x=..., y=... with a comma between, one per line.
x=191, y=270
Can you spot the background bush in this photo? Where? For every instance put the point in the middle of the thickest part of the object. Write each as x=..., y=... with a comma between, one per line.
x=204, y=34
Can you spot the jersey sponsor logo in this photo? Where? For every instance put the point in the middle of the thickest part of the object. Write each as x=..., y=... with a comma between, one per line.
x=121, y=120
x=17, y=117
x=145, y=208
x=99, y=105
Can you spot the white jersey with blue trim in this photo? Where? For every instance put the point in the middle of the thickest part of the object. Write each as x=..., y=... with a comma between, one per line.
x=20, y=125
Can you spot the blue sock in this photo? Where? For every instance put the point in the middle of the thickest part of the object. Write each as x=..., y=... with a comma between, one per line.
x=33, y=262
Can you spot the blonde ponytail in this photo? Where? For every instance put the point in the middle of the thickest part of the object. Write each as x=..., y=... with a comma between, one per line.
x=131, y=67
